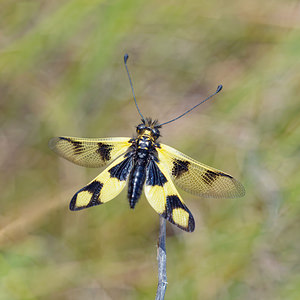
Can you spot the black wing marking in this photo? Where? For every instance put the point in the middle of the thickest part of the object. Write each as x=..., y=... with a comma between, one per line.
x=93, y=153
x=165, y=199
x=105, y=186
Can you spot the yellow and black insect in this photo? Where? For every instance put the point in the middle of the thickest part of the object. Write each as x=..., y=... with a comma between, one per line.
x=144, y=162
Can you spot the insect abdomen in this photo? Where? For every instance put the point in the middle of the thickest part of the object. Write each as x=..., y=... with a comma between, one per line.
x=137, y=177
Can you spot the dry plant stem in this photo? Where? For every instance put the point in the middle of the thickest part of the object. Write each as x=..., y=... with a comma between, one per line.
x=162, y=260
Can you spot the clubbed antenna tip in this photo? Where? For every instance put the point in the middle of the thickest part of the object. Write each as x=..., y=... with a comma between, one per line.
x=126, y=58
x=219, y=88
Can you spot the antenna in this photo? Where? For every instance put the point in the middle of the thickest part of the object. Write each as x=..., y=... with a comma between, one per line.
x=125, y=62
x=219, y=88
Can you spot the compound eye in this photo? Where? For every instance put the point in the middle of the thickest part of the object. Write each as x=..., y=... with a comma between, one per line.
x=140, y=128
x=155, y=132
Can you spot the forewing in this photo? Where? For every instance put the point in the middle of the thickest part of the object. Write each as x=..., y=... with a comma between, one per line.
x=106, y=186
x=89, y=152
x=165, y=199
x=197, y=178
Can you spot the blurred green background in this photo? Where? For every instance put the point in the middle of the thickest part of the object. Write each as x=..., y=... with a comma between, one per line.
x=62, y=73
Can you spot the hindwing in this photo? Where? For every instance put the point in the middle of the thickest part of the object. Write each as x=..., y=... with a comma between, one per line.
x=86, y=152
x=197, y=178
x=165, y=199
x=105, y=186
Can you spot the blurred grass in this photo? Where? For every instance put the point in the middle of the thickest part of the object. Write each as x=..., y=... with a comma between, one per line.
x=62, y=73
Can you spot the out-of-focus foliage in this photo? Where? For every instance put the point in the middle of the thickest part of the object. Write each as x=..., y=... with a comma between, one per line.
x=62, y=73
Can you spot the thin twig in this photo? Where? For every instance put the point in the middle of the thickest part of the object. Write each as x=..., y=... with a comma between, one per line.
x=162, y=260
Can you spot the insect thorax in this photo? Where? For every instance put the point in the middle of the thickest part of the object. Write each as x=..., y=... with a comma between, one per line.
x=144, y=145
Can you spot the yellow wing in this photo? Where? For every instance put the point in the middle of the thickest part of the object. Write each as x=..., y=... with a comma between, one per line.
x=87, y=152
x=197, y=178
x=164, y=198
x=105, y=186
